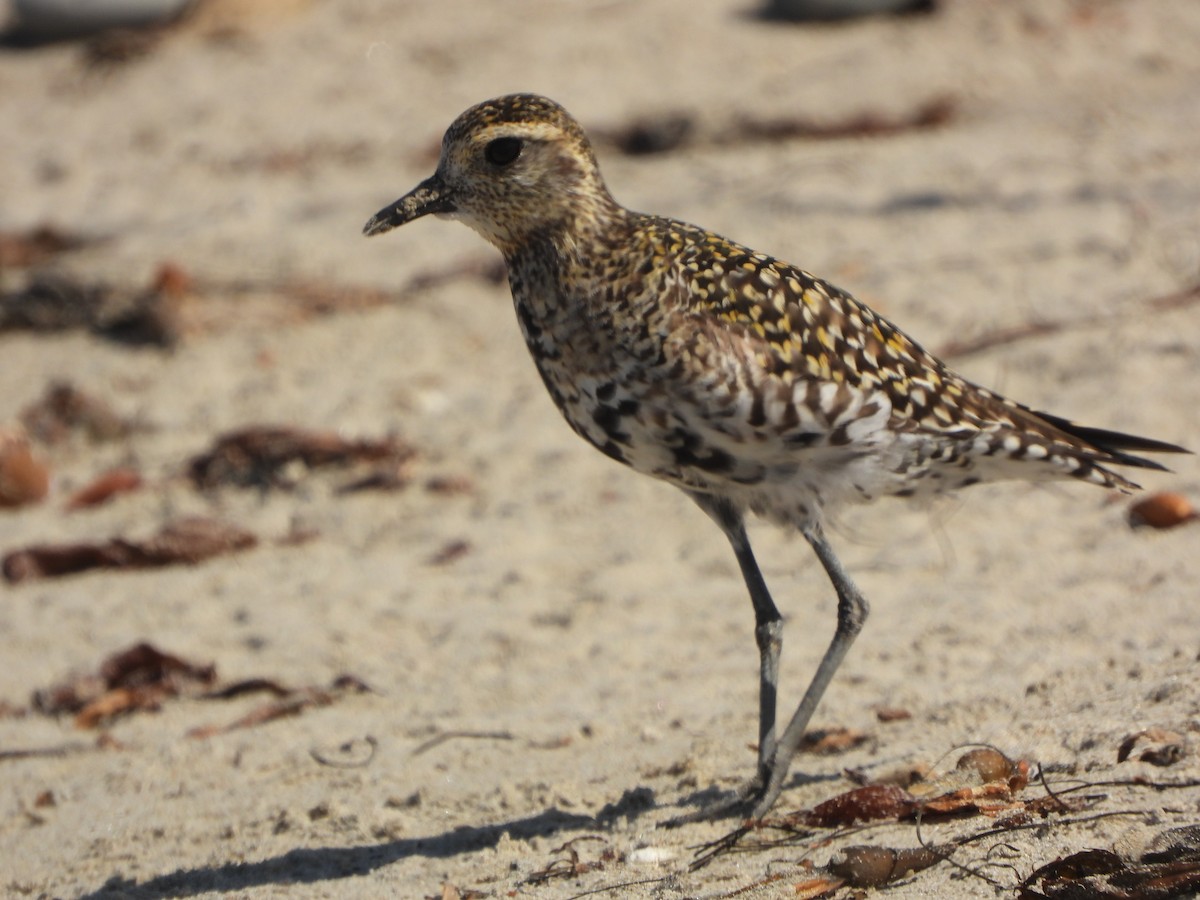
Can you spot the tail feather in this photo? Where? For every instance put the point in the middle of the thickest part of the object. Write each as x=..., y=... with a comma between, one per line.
x=1115, y=443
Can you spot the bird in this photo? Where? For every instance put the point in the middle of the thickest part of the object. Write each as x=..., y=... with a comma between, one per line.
x=749, y=383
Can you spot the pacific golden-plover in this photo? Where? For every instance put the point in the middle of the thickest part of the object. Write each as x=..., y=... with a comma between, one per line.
x=747, y=382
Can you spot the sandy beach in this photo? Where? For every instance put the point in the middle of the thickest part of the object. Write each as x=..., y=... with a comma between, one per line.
x=472, y=657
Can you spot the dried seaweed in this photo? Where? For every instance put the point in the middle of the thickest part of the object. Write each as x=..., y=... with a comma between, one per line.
x=183, y=542
x=258, y=455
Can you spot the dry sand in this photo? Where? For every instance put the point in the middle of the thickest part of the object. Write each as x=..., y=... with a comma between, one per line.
x=595, y=626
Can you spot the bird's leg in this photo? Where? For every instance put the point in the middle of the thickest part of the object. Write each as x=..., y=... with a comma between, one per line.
x=851, y=614
x=756, y=798
x=768, y=634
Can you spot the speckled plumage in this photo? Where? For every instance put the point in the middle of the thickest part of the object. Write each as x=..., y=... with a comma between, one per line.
x=746, y=381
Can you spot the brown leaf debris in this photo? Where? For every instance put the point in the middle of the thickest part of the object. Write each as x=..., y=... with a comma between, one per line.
x=24, y=479
x=104, y=487
x=1169, y=868
x=186, y=541
x=256, y=456
x=140, y=677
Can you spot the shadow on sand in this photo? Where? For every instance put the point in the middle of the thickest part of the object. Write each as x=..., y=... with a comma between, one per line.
x=310, y=865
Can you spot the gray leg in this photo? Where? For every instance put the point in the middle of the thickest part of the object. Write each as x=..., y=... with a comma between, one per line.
x=851, y=614
x=775, y=757
x=768, y=629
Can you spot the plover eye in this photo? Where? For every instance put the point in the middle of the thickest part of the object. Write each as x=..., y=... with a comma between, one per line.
x=502, y=151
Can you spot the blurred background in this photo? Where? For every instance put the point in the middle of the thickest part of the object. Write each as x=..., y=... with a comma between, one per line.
x=193, y=329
